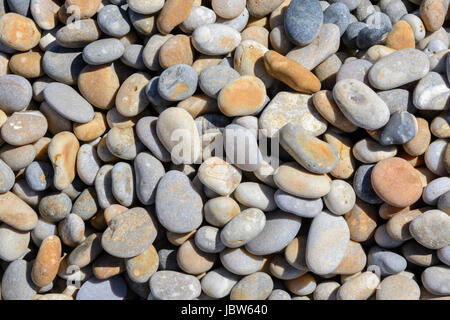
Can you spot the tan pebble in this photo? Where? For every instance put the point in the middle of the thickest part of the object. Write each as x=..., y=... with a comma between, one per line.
x=46, y=265
x=325, y=105
x=24, y=127
x=291, y=73
x=432, y=13
x=198, y=105
x=91, y=130
x=401, y=36
x=112, y=211
x=219, y=211
x=203, y=61
x=27, y=64
x=362, y=221
x=177, y=239
x=62, y=152
x=115, y=119
x=398, y=226
x=16, y=213
x=19, y=32
x=193, y=261
x=295, y=253
x=354, y=260
x=303, y=285
x=248, y=61
x=55, y=296
x=347, y=163
x=41, y=147
x=295, y=180
x=256, y=33
x=17, y=158
x=143, y=266
x=387, y=211
x=419, y=144
x=360, y=287
x=327, y=71
x=107, y=266
x=176, y=50
x=99, y=85
x=242, y=97
x=396, y=182
x=398, y=287
x=86, y=8
x=440, y=126
x=172, y=14
x=4, y=64
x=131, y=98
x=377, y=52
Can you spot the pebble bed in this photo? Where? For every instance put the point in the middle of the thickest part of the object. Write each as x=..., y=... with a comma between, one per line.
x=97, y=202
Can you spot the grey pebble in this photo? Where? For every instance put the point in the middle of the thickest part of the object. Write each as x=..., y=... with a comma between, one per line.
x=146, y=132
x=362, y=185
x=207, y=239
x=123, y=184
x=114, y=288
x=151, y=90
x=177, y=82
x=307, y=208
x=178, y=204
x=148, y=171
x=103, y=51
x=243, y=228
x=39, y=175
x=10, y=86
x=171, y=285
x=17, y=283
x=68, y=103
x=103, y=187
x=302, y=21
x=55, y=207
x=132, y=56
x=338, y=14
x=63, y=64
x=113, y=21
x=88, y=164
x=279, y=230
x=397, y=100
x=401, y=128
x=241, y=262
x=86, y=205
x=437, y=280
x=21, y=7
x=212, y=79
x=389, y=262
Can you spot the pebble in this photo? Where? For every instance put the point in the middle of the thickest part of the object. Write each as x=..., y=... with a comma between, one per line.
x=218, y=283
x=113, y=21
x=302, y=21
x=122, y=183
x=207, y=239
x=387, y=261
x=78, y=34
x=370, y=151
x=326, y=290
x=172, y=285
x=215, y=39
x=443, y=255
x=123, y=143
x=17, y=158
x=430, y=229
x=219, y=211
x=114, y=288
x=312, y=153
x=383, y=238
x=248, y=61
x=434, y=157
x=322, y=47
x=394, y=174
x=71, y=230
x=103, y=51
x=211, y=83
x=341, y=197
x=360, y=104
x=290, y=72
x=129, y=234
x=45, y=267
x=63, y=64
x=362, y=221
x=440, y=127
x=398, y=287
x=18, y=32
x=338, y=14
x=243, y=228
x=14, y=243
x=435, y=189
x=7, y=177
x=172, y=14
x=307, y=208
x=219, y=176
x=39, y=175
x=16, y=281
x=143, y=266
x=436, y=279
x=177, y=82
x=279, y=230
x=289, y=107
x=399, y=68
x=419, y=255
x=55, y=207
x=257, y=286
x=198, y=17
x=293, y=179
x=172, y=212
x=88, y=164
x=148, y=171
x=362, y=184
x=359, y=288
x=62, y=152
x=303, y=285
x=10, y=84
x=192, y=260
x=255, y=195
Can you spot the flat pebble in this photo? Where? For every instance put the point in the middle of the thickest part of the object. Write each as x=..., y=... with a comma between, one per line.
x=308, y=208
x=114, y=288
x=171, y=285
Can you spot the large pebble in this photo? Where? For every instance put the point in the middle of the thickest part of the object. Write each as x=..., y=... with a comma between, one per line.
x=302, y=21
x=430, y=229
x=215, y=39
x=171, y=285
x=10, y=85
